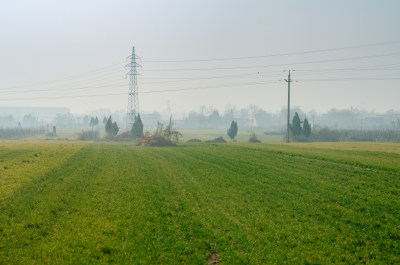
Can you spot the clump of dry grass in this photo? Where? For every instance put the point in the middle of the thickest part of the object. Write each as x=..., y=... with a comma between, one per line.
x=88, y=135
x=167, y=136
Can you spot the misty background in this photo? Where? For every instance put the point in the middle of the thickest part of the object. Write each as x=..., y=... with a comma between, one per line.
x=204, y=62
x=249, y=118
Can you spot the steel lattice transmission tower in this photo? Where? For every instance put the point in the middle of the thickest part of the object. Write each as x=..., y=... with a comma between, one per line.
x=133, y=98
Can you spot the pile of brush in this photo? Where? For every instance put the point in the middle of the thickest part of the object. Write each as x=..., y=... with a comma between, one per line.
x=167, y=136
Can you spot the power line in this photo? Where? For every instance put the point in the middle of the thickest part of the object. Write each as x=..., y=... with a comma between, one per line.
x=210, y=78
x=177, y=90
x=208, y=87
x=68, y=77
x=352, y=79
x=261, y=74
x=275, y=55
x=98, y=72
x=144, y=92
x=93, y=75
x=274, y=65
x=364, y=68
x=60, y=89
x=258, y=74
x=192, y=78
x=213, y=59
x=122, y=85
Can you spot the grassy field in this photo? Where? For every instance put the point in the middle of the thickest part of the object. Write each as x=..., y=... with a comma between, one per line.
x=237, y=203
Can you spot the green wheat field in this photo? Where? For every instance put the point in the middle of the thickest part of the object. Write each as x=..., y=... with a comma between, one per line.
x=69, y=202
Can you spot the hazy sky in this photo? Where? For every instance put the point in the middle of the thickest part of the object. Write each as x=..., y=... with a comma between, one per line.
x=72, y=53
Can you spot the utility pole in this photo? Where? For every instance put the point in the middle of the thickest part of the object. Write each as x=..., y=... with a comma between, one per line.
x=288, y=108
x=133, y=98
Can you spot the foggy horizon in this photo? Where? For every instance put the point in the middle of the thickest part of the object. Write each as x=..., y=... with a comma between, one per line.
x=73, y=54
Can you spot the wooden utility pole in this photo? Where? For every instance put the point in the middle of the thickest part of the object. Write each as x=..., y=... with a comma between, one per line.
x=288, y=108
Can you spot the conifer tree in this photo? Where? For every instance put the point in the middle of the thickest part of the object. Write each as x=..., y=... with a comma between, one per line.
x=306, y=128
x=137, y=128
x=109, y=125
x=296, y=125
x=115, y=129
x=91, y=122
x=232, y=131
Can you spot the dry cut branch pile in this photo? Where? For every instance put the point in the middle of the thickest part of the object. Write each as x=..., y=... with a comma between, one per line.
x=167, y=136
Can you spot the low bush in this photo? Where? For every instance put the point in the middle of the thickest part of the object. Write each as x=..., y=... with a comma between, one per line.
x=194, y=141
x=253, y=138
x=88, y=135
x=218, y=140
x=124, y=137
x=325, y=135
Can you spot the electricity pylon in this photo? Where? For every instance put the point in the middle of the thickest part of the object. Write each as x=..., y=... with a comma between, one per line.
x=133, y=97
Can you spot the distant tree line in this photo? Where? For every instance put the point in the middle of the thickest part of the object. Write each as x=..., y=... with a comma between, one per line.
x=111, y=130
x=251, y=117
x=328, y=135
x=19, y=132
x=254, y=117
